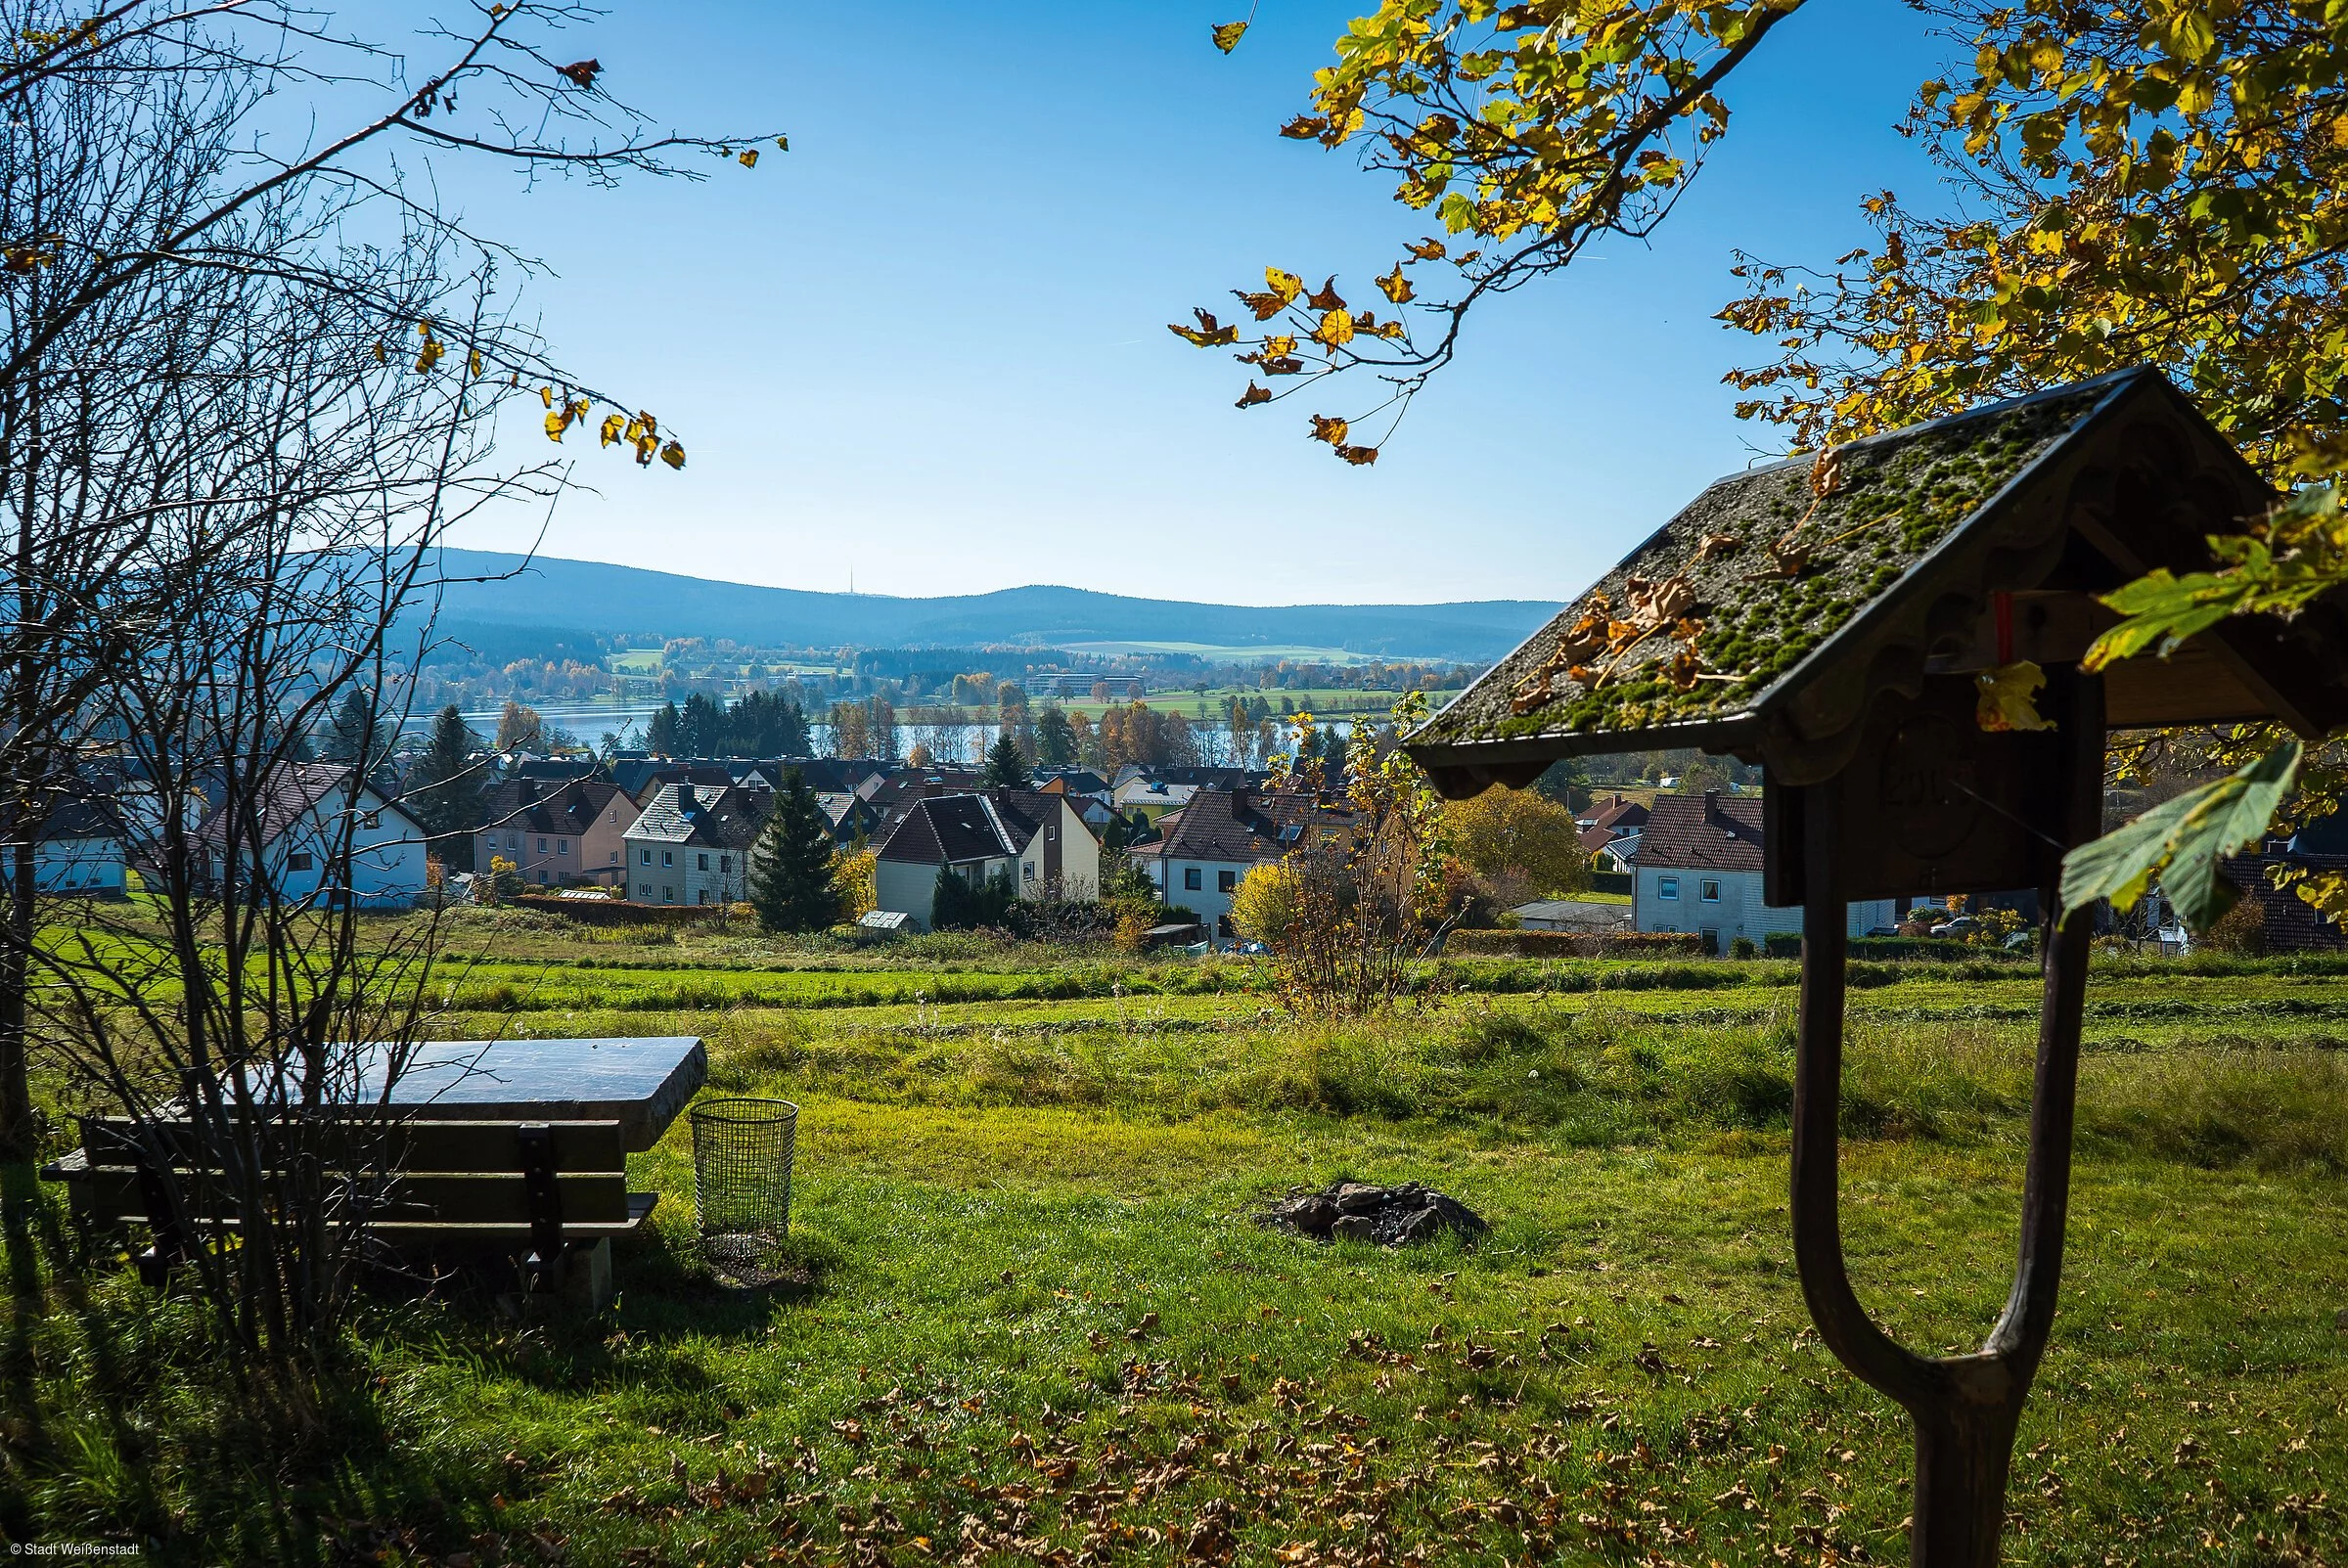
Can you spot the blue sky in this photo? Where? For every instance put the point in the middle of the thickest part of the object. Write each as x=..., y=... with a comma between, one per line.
x=927, y=346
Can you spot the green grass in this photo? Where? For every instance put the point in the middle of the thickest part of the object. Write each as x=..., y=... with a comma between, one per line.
x=1031, y=1314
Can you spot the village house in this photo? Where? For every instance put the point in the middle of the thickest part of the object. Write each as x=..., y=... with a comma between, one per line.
x=558, y=835
x=1699, y=868
x=1037, y=839
x=79, y=848
x=692, y=844
x=851, y=816
x=1207, y=848
x=1608, y=820
x=324, y=841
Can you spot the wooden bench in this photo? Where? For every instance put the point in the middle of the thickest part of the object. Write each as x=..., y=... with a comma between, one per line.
x=548, y=1195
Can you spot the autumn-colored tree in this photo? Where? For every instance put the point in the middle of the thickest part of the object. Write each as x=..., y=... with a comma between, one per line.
x=1520, y=844
x=2136, y=184
x=519, y=729
x=1359, y=899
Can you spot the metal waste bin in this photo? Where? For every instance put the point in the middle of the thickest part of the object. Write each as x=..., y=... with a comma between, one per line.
x=742, y=1153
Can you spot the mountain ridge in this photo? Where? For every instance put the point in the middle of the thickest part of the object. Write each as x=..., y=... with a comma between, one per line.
x=637, y=601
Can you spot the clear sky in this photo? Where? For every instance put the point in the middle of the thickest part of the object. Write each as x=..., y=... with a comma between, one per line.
x=927, y=346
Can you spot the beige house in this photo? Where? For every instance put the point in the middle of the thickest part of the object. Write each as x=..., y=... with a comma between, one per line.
x=1039, y=840
x=557, y=835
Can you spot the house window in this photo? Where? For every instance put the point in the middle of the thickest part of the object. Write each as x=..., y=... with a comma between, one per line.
x=725, y=862
x=1027, y=870
x=541, y=846
x=668, y=895
x=668, y=857
x=702, y=897
x=541, y=876
x=1225, y=882
x=1667, y=887
x=1710, y=890
x=1192, y=878
x=512, y=840
x=300, y=861
x=647, y=856
x=643, y=890
x=561, y=846
x=615, y=857
x=1051, y=832
x=704, y=863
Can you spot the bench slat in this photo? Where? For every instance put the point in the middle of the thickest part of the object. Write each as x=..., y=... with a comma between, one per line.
x=588, y=1197
x=436, y=1145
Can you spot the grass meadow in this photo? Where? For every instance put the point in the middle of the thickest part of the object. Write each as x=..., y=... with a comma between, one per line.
x=1029, y=1317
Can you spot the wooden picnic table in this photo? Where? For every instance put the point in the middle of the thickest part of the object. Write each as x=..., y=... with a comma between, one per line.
x=641, y=1082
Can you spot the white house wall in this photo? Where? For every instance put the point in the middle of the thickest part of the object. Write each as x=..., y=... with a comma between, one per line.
x=908, y=888
x=91, y=866
x=1738, y=911
x=665, y=871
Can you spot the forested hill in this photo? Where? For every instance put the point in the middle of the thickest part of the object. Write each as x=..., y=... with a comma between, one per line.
x=627, y=601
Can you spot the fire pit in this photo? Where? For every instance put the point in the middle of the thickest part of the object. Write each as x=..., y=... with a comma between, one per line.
x=1389, y=1216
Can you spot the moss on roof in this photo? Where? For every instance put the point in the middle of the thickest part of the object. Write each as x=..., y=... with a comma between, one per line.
x=1721, y=570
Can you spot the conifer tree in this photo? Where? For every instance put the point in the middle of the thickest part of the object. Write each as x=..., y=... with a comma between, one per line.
x=792, y=864
x=444, y=788
x=1006, y=763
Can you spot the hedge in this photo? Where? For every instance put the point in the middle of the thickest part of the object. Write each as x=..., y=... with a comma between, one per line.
x=1788, y=945
x=619, y=912
x=1498, y=944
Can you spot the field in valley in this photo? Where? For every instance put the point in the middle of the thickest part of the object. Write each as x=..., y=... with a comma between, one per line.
x=1029, y=1317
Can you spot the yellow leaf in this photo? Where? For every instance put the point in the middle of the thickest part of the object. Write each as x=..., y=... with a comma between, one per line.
x=546, y=396
x=612, y=425
x=1336, y=329
x=1253, y=395
x=1429, y=249
x=1394, y=285
x=382, y=355
x=1228, y=35
x=1286, y=285
x=473, y=361
x=557, y=421
x=748, y=157
x=2006, y=697
x=1331, y=431
x=782, y=144
x=1208, y=333
x=673, y=455
x=428, y=355
x=1280, y=347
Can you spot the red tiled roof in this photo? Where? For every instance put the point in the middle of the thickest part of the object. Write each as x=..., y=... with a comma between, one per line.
x=1702, y=833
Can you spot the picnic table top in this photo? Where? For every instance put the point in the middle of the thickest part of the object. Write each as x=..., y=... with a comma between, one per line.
x=641, y=1083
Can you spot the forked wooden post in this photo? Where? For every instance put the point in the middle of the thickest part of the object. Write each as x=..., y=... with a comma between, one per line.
x=1966, y=1408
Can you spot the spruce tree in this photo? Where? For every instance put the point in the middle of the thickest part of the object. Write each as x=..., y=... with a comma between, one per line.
x=792, y=864
x=1006, y=763
x=444, y=788
x=661, y=735
x=356, y=736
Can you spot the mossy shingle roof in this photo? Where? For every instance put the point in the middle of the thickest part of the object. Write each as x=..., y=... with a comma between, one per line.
x=1763, y=567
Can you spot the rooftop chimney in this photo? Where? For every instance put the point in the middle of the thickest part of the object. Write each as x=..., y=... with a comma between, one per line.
x=1711, y=805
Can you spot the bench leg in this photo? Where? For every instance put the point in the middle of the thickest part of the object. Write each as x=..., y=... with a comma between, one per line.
x=586, y=1273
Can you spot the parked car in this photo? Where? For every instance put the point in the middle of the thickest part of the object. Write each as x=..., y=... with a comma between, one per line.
x=1961, y=926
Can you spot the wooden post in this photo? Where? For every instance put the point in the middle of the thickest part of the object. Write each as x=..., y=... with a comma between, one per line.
x=1966, y=1408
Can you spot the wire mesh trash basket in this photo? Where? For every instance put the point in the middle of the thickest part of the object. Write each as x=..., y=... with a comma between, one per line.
x=742, y=1153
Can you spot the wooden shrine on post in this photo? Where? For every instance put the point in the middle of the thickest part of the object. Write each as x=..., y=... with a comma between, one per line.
x=1892, y=630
